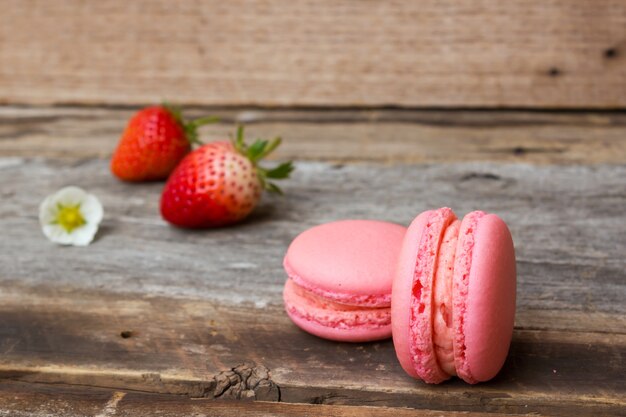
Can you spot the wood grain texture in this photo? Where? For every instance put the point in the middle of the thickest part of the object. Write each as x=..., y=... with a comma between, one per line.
x=558, y=53
x=200, y=349
x=36, y=400
x=387, y=136
x=203, y=310
x=567, y=223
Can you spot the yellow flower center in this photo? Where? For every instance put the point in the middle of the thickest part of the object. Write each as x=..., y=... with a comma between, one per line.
x=69, y=217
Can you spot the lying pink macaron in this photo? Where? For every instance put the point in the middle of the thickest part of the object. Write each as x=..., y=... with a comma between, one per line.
x=453, y=301
x=340, y=277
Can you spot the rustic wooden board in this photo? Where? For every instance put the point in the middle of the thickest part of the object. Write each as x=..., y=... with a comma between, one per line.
x=567, y=223
x=203, y=309
x=561, y=53
x=36, y=400
x=387, y=136
x=200, y=349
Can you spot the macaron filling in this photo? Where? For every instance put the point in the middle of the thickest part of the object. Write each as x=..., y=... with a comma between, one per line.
x=305, y=304
x=443, y=331
x=361, y=300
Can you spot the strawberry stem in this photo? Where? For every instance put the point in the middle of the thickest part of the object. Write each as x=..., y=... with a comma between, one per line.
x=190, y=127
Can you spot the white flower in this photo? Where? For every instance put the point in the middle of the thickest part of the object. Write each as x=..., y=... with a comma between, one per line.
x=70, y=216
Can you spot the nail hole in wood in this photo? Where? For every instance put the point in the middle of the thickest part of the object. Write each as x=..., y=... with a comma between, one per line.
x=554, y=72
x=480, y=176
x=610, y=53
x=126, y=334
x=519, y=150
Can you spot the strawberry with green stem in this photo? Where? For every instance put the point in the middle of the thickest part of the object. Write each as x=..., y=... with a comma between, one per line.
x=155, y=140
x=220, y=183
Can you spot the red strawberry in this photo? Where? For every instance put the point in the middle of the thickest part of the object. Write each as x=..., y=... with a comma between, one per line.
x=219, y=183
x=154, y=142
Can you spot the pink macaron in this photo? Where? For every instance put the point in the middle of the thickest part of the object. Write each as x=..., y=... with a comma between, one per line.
x=339, y=279
x=453, y=300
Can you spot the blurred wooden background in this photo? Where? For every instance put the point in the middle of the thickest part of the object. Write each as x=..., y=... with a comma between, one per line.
x=432, y=53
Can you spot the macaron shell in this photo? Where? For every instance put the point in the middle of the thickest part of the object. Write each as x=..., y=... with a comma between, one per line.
x=486, y=309
x=415, y=280
x=349, y=261
x=402, y=294
x=334, y=321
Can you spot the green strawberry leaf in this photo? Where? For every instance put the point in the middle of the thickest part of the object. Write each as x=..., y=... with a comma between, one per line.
x=281, y=171
x=273, y=188
x=203, y=121
x=240, y=144
x=275, y=143
x=256, y=150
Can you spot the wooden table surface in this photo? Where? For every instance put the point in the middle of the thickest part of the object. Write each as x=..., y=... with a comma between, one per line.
x=150, y=319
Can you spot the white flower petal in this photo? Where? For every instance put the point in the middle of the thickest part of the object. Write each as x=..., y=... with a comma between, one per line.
x=70, y=196
x=84, y=235
x=57, y=234
x=91, y=209
x=47, y=211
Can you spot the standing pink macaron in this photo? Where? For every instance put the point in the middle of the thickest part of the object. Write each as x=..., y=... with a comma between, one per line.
x=340, y=277
x=453, y=302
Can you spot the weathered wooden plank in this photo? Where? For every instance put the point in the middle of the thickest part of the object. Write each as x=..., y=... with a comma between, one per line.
x=561, y=53
x=189, y=347
x=36, y=400
x=201, y=350
x=342, y=136
x=200, y=303
x=567, y=224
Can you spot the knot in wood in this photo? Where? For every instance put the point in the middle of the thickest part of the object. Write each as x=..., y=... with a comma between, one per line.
x=246, y=381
